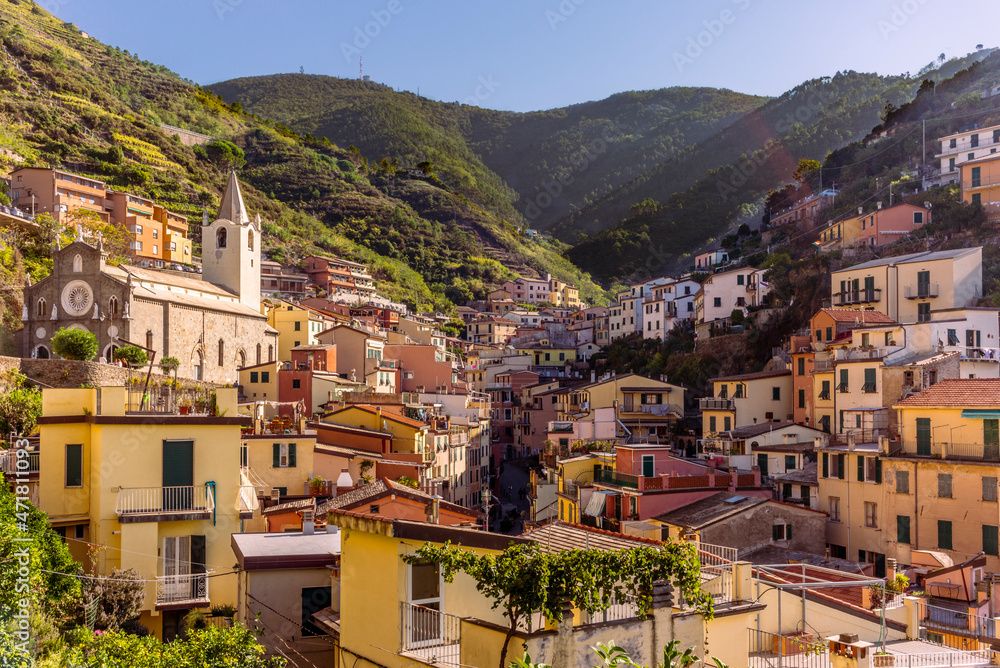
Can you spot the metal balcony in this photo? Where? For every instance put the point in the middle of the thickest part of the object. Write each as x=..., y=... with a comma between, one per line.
x=161, y=504
x=921, y=291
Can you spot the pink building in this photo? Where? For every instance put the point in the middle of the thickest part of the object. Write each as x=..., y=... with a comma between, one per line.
x=885, y=226
x=427, y=367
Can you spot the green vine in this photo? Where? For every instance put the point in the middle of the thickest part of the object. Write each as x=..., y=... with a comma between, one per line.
x=523, y=578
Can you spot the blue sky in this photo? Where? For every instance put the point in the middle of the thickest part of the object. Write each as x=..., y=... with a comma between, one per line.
x=527, y=55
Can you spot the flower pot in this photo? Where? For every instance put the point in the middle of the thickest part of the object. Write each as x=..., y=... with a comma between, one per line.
x=185, y=410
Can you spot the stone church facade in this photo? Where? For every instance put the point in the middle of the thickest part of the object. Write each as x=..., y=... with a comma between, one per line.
x=212, y=324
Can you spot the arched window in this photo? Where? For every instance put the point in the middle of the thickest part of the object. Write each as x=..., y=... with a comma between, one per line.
x=199, y=366
x=258, y=354
x=250, y=240
x=222, y=352
x=77, y=264
x=270, y=353
x=40, y=308
x=113, y=307
x=149, y=339
x=241, y=359
x=42, y=353
x=221, y=237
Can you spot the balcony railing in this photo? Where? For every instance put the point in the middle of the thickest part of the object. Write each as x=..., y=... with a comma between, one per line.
x=861, y=353
x=136, y=502
x=942, y=450
x=619, y=479
x=182, y=589
x=430, y=635
x=822, y=365
x=935, y=617
x=9, y=462
x=716, y=404
x=767, y=650
x=921, y=291
x=152, y=399
x=849, y=297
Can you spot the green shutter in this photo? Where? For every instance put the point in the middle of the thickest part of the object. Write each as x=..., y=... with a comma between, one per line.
x=861, y=468
x=923, y=436
x=197, y=555
x=178, y=463
x=841, y=465
x=990, y=545
x=843, y=380
x=788, y=532
x=74, y=465
x=265, y=376
x=777, y=532
x=991, y=439
x=878, y=471
x=789, y=462
x=276, y=455
x=826, y=465
x=253, y=376
x=944, y=535
x=903, y=529
x=291, y=455
x=727, y=421
x=711, y=424
x=870, y=380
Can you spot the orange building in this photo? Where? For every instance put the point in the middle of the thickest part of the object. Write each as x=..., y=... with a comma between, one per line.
x=981, y=185
x=176, y=245
x=40, y=190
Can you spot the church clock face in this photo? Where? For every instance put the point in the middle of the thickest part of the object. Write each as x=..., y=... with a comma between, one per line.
x=77, y=298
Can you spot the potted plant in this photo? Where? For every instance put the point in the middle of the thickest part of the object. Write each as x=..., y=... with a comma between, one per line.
x=199, y=403
x=169, y=364
x=316, y=485
x=225, y=610
x=185, y=406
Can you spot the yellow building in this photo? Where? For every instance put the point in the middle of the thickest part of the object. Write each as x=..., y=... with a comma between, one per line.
x=408, y=435
x=575, y=476
x=285, y=462
x=747, y=399
x=162, y=491
x=943, y=478
x=644, y=407
x=908, y=288
x=260, y=382
x=546, y=353
x=452, y=624
x=296, y=325
x=852, y=494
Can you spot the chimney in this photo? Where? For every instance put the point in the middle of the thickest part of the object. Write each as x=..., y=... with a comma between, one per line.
x=850, y=440
x=308, y=523
x=434, y=510
x=818, y=442
x=890, y=569
x=275, y=495
x=878, y=205
x=593, y=376
x=332, y=528
x=786, y=438
x=344, y=482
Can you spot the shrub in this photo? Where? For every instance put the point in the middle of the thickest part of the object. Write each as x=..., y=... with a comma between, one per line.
x=74, y=344
x=168, y=364
x=132, y=355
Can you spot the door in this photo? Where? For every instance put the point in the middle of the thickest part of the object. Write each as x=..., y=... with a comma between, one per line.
x=176, y=568
x=424, y=621
x=762, y=464
x=869, y=288
x=648, y=467
x=991, y=439
x=924, y=436
x=178, y=475
x=923, y=283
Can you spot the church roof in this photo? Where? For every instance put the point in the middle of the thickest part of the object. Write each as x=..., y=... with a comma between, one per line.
x=181, y=290
x=232, y=208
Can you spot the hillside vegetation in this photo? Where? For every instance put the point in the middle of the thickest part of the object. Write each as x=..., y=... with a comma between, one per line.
x=71, y=102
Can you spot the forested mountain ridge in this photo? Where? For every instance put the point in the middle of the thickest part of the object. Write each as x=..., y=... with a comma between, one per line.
x=511, y=162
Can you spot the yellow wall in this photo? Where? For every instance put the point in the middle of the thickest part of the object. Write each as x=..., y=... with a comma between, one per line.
x=261, y=391
x=851, y=531
x=404, y=438
x=261, y=460
x=757, y=401
x=126, y=455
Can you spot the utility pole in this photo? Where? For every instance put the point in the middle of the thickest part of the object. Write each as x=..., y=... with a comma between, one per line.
x=923, y=157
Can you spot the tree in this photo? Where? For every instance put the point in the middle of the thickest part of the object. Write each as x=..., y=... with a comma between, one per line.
x=646, y=207
x=19, y=410
x=806, y=169
x=426, y=167
x=132, y=355
x=523, y=579
x=941, y=58
x=115, y=239
x=74, y=344
x=211, y=647
x=612, y=654
x=979, y=47
x=225, y=154
x=119, y=595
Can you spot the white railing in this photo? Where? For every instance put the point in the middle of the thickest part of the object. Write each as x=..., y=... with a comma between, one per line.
x=718, y=571
x=9, y=462
x=157, y=500
x=983, y=657
x=181, y=588
x=432, y=636
x=616, y=612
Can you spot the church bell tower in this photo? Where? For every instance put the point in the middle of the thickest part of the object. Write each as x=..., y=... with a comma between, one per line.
x=230, y=247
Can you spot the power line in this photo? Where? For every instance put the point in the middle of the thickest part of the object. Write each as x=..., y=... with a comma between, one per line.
x=109, y=579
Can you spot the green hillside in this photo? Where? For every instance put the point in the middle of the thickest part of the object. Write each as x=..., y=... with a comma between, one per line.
x=71, y=102
x=760, y=152
x=510, y=162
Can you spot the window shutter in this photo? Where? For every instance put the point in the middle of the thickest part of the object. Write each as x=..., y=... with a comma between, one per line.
x=878, y=471
x=826, y=465
x=840, y=466
x=74, y=465
x=291, y=455
x=198, y=554
x=276, y=455
x=990, y=540
x=776, y=532
x=903, y=529
x=788, y=532
x=861, y=468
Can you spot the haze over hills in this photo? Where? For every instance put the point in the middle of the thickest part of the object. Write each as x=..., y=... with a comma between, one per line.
x=512, y=162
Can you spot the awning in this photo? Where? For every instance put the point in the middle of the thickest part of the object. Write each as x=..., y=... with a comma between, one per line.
x=595, y=507
x=981, y=413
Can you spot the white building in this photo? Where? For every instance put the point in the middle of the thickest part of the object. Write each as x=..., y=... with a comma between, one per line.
x=964, y=147
x=723, y=293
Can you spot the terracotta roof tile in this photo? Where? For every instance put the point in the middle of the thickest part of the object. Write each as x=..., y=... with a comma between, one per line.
x=754, y=376
x=957, y=392
x=862, y=317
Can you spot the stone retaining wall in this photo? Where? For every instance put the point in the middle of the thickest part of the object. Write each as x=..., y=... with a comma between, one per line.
x=73, y=373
